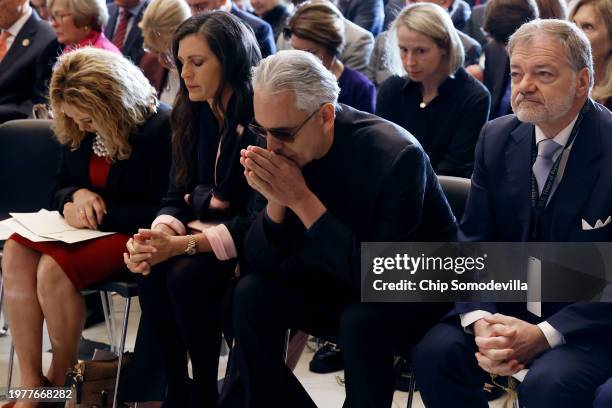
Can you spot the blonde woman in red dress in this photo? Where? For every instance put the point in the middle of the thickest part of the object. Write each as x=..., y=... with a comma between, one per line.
x=113, y=172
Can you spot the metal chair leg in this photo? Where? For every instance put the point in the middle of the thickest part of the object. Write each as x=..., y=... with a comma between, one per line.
x=113, y=320
x=286, y=350
x=4, y=328
x=107, y=320
x=126, y=314
x=9, y=379
x=411, y=387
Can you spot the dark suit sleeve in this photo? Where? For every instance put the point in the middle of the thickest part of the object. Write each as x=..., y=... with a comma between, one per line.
x=44, y=66
x=459, y=158
x=581, y=323
x=369, y=14
x=129, y=215
x=265, y=38
x=67, y=180
x=475, y=225
x=472, y=54
x=173, y=202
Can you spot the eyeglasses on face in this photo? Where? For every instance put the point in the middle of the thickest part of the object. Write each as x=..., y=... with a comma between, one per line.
x=59, y=18
x=282, y=134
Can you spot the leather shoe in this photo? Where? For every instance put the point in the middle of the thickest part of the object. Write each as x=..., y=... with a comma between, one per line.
x=327, y=359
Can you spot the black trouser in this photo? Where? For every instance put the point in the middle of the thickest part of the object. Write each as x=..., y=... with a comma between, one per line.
x=266, y=306
x=182, y=302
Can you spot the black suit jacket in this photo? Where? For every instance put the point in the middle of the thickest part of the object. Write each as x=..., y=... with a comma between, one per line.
x=25, y=70
x=135, y=186
x=496, y=73
x=498, y=209
x=263, y=31
x=377, y=185
x=132, y=47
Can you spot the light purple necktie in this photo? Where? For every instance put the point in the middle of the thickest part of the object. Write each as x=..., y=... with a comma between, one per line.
x=544, y=162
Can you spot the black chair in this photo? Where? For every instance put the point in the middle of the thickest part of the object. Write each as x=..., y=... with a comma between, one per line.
x=456, y=190
x=29, y=158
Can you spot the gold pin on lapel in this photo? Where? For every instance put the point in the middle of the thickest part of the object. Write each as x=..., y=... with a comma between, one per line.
x=25, y=42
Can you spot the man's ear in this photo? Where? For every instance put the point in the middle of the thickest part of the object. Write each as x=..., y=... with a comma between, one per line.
x=328, y=114
x=582, y=82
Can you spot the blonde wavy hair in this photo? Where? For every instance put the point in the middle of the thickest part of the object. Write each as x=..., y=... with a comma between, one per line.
x=106, y=86
x=602, y=91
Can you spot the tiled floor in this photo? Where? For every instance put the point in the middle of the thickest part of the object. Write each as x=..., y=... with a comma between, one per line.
x=323, y=388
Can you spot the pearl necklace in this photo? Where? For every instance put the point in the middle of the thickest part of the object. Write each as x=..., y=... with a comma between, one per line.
x=99, y=148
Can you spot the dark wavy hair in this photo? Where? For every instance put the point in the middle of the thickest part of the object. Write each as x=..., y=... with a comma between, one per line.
x=236, y=48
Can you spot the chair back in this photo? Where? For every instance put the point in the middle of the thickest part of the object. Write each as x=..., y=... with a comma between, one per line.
x=456, y=190
x=29, y=158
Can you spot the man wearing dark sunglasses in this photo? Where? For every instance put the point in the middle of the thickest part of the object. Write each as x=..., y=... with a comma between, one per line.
x=333, y=177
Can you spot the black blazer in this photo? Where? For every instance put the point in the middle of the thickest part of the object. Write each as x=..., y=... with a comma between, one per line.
x=132, y=48
x=135, y=186
x=207, y=175
x=25, y=69
x=496, y=73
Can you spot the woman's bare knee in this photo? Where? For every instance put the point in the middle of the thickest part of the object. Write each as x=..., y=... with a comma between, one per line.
x=51, y=278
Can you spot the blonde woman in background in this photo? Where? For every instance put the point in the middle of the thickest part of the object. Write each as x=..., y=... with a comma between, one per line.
x=594, y=17
x=113, y=172
x=160, y=20
x=80, y=23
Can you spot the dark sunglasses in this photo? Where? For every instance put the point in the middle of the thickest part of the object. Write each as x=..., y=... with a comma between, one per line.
x=282, y=134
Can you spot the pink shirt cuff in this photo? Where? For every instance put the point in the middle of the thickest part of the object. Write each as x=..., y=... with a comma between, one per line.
x=172, y=222
x=221, y=242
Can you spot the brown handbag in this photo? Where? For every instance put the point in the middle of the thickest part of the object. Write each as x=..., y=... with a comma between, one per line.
x=93, y=383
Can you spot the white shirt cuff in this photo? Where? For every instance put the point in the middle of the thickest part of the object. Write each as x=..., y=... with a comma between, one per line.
x=468, y=318
x=553, y=336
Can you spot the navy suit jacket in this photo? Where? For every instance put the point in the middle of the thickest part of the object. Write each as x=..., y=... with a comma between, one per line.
x=499, y=209
x=132, y=47
x=263, y=31
x=25, y=69
x=496, y=73
x=369, y=14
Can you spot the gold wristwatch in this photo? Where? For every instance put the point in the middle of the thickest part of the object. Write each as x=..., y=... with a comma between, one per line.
x=191, y=245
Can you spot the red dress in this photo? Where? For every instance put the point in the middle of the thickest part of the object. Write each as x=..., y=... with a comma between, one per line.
x=90, y=261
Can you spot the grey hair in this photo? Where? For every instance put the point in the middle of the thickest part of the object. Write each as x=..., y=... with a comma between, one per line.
x=86, y=12
x=572, y=39
x=299, y=72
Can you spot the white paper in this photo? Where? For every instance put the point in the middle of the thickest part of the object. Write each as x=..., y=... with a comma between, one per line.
x=50, y=226
x=14, y=226
x=43, y=222
x=5, y=232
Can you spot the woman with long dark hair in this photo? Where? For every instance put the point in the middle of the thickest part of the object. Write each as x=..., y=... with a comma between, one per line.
x=186, y=274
